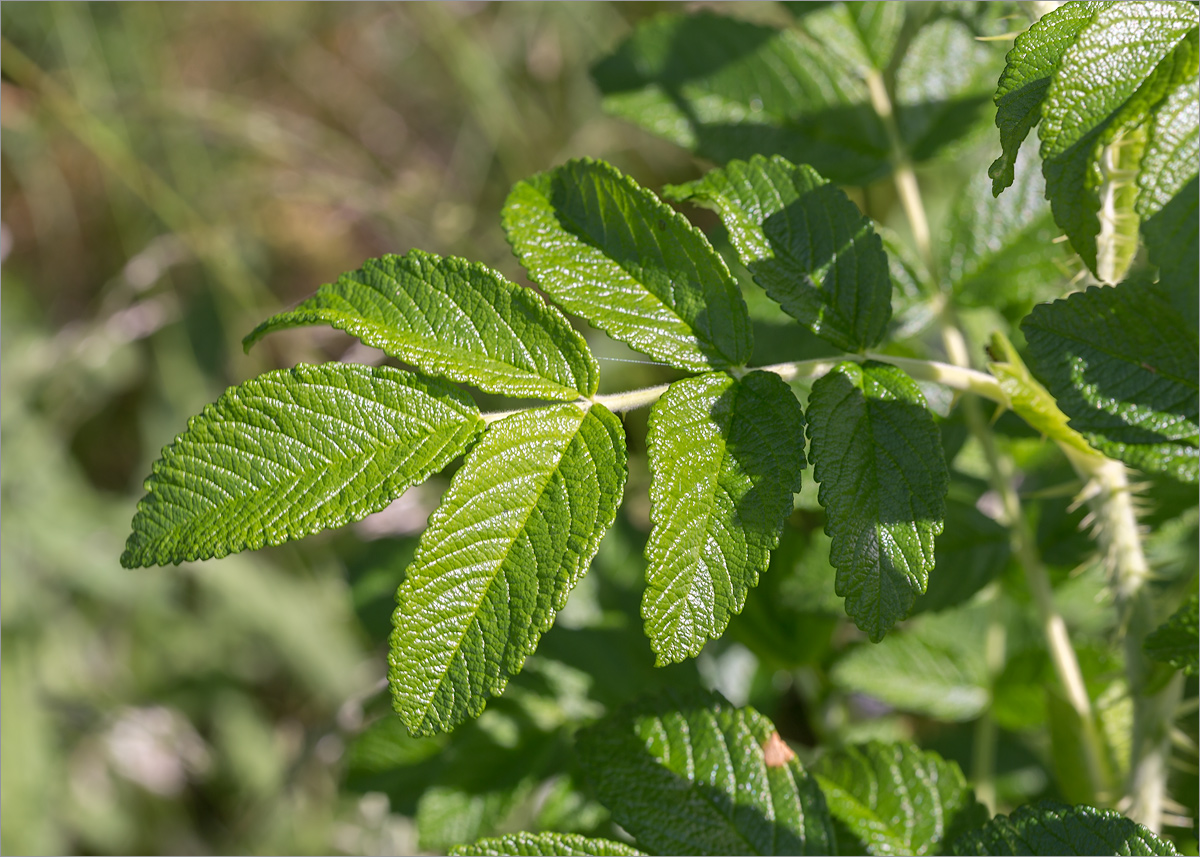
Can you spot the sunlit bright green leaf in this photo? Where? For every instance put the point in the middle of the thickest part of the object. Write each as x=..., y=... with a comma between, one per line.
x=515, y=532
x=455, y=319
x=293, y=452
x=610, y=251
x=545, y=845
x=725, y=458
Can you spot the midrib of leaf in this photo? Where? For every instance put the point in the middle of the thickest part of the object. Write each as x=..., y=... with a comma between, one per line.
x=455, y=651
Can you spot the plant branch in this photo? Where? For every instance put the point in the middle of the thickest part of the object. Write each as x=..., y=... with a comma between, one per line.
x=957, y=378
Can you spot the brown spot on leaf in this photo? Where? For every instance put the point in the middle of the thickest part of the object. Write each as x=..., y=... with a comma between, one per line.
x=776, y=752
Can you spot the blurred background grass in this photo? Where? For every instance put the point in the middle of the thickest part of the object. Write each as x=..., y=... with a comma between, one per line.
x=173, y=174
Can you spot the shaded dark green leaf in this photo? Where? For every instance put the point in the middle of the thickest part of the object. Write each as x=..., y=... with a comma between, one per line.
x=1053, y=829
x=878, y=456
x=805, y=243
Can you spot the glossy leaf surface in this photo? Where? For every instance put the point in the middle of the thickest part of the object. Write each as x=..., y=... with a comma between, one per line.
x=515, y=532
x=545, y=845
x=1053, y=829
x=1122, y=366
x=725, y=458
x=696, y=775
x=611, y=252
x=294, y=452
x=805, y=243
x=878, y=456
x=455, y=319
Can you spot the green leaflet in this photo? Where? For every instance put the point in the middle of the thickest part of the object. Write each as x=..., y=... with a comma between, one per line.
x=725, y=458
x=896, y=799
x=1030, y=67
x=1111, y=80
x=455, y=319
x=730, y=89
x=1122, y=366
x=1173, y=245
x=1000, y=251
x=695, y=775
x=610, y=251
x=942, y=84
x=1177, y=640
x=515, y=532
x=293, y=452
x=878, y=456
x=806, y=244
x=1053, y=829
x=935, y=667
x=860, y=35
x=545, y=845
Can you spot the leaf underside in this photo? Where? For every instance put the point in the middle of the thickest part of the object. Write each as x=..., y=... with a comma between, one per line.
x=725, y=457
x=878, y=456
x=453, y=319
x=805, y=243
x=691, y=776
x=896, y=798
x=514, y=533
x=611, y=252
x=545, y=845
x=293, y=452
x=1122, y=366
x=1053, y=829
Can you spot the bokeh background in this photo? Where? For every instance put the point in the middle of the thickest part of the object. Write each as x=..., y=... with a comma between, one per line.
x=172, y=175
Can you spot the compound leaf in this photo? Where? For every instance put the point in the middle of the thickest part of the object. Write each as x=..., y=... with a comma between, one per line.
x=878, y=456
x=896, y=798
x=545, y=845
x=515, y=532
x=1049, y=828
x=1030, y=67
x=1177, y=640
x=697, y=776
x=1111, y=79
x=293, y=452
x=806, y=243
x=610, y=251
x=455, y=319
x=1122, y=367
x=725, y=458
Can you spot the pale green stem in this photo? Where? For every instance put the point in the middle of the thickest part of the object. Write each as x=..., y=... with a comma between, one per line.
x=983, y=751
x=955, y=377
